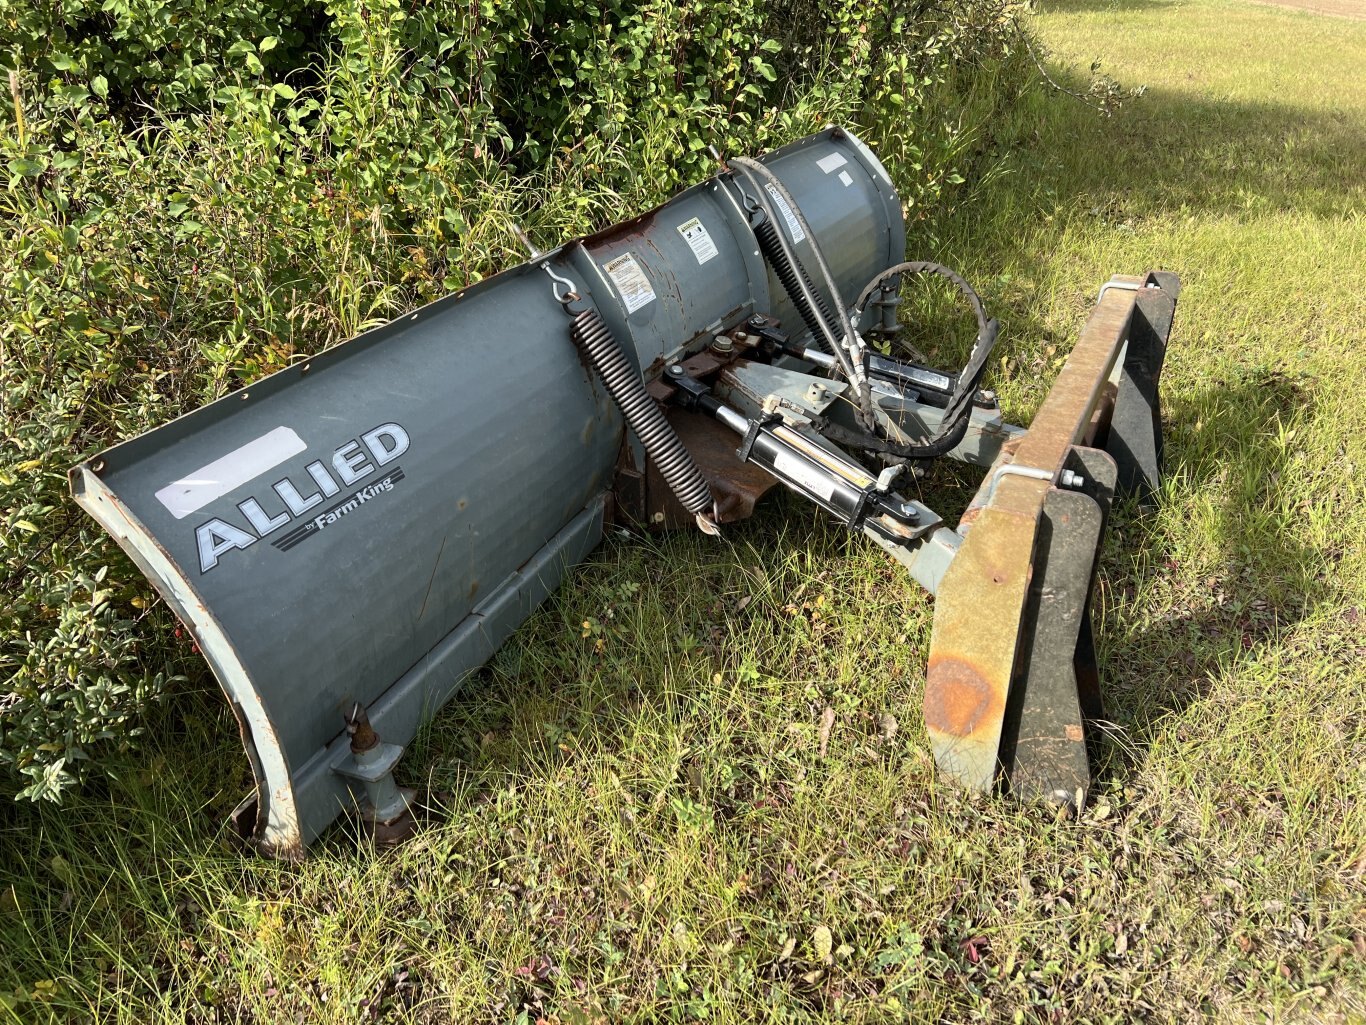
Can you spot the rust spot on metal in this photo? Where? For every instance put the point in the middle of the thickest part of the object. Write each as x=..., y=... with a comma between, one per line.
x=463, y=504
x=896, y=527
x=699, y=365
x=959, y=699
x=363, y=735
x=623, y=232
x=707, y=362
x=474, y=589
x=735, y=486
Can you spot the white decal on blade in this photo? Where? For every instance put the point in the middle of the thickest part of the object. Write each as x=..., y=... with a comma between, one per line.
x=794, y=228
x=695, y=233
x=830, y=163
x=631, y=281
x=226, y=473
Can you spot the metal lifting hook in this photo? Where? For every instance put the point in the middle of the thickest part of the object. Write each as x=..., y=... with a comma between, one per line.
x=571, y=293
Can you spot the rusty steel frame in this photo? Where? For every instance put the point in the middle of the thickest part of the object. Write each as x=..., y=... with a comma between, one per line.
x=1011, y=678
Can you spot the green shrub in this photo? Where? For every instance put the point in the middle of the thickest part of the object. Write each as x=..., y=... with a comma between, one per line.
x=166, y=54
x=196, y=194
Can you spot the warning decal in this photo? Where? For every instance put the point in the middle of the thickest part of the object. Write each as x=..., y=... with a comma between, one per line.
x=630, y=280
x=694, y=233
x=793, y=228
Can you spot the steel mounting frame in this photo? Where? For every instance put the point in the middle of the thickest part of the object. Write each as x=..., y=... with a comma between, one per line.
x=1012, y=690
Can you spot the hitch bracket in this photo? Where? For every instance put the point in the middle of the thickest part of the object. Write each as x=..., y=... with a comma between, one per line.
x=1012, y=682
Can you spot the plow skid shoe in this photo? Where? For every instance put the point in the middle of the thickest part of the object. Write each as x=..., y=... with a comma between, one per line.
x=1012, y=690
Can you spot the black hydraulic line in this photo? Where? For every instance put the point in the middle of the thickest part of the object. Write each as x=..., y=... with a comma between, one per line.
x=958, y=410
x=941, y=444
x=925, y=267
x=957, y=414
x=970, y=377
x=595, y=340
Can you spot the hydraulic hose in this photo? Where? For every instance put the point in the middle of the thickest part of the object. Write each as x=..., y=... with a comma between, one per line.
x=595, y=340
x=925, y=267
x=958, y=411
x=960, y=403
x=847, y=347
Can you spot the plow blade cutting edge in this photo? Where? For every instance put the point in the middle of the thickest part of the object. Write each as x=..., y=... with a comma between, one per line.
x=348, y=539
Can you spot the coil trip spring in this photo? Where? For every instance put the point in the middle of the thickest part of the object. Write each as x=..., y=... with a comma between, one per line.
x=767, y=234
x=595, y=340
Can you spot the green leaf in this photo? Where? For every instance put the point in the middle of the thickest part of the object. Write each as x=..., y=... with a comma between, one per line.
x=99, y=85
x=23, y=167
x=287, y=92
x=268, y=44
x=63, y=870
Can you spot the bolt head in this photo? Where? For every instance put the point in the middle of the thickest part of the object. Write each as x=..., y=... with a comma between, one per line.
x=676, y=370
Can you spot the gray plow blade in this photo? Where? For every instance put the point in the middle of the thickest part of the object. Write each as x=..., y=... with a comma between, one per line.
x=360, y=531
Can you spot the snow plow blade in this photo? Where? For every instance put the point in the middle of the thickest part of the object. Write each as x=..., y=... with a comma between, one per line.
x=348, y=539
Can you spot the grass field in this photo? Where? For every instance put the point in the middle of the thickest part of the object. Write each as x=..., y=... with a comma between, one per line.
x=696, y=785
